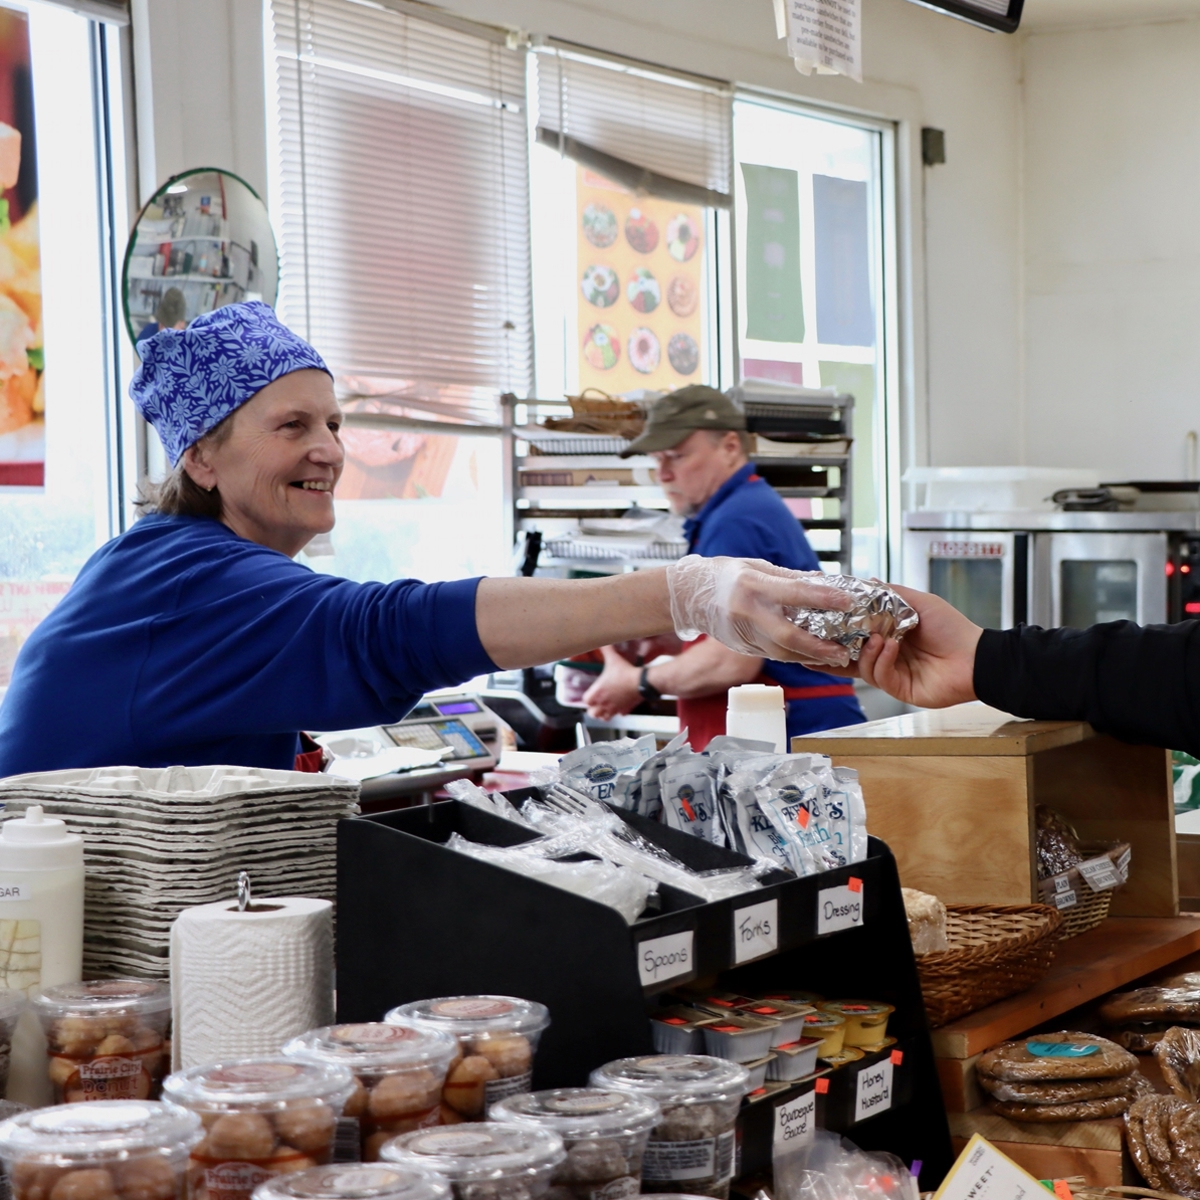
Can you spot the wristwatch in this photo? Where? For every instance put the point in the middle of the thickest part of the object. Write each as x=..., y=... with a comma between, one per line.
x=646, y=689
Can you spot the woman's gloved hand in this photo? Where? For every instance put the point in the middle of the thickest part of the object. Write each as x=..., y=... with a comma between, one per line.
x=740, y=602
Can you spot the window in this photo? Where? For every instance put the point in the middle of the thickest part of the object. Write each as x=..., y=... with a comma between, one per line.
x=61, y=472
x=400, y=193
x=812, y=286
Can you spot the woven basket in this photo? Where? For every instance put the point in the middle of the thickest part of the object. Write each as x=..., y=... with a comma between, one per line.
x=1081, y=908
x=995, y=950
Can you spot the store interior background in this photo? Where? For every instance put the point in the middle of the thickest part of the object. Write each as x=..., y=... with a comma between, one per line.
x=1050, y=290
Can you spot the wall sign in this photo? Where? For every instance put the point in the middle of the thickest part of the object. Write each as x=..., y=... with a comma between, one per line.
x=660, y=959
x=755, y=931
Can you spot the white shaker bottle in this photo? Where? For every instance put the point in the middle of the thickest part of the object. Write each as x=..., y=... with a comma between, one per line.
x=756, y=710
x=41, y=932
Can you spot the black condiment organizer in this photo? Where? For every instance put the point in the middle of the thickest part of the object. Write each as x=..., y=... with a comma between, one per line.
x=416, y=919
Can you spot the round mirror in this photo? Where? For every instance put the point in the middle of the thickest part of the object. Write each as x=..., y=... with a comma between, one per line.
x=203, y=240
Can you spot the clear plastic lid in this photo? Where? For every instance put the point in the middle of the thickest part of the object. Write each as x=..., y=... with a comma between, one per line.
x=575, y=1113
x=822, y=1019
x=678, y=1078
x=467, y=1153
x=356, y=1181
x=257, y=1083
x=856, y=1008
x=375, y=1047
x=473, y=1016
x=98, y=1129
x=104, y=997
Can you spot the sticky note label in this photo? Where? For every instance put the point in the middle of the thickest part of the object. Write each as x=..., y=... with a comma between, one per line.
x=755, y=931
x=660, y=959
x=839, y=908
x=873, y=1093
x=795, y=1123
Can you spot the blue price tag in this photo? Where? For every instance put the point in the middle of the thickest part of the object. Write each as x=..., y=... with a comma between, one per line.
x=1062, y=1049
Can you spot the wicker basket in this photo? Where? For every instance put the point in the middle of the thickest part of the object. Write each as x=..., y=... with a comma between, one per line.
x=995, y=950
x=1083, y=909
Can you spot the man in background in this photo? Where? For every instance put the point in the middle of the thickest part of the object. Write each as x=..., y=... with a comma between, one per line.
x=697, y=437
x=170, y=314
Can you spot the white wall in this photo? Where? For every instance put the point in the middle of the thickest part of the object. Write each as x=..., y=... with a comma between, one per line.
x=1112, y=246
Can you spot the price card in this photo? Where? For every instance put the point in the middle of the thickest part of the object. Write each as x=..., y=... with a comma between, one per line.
x=1067, y=899
x=874, y=1091
x=660, y=959
x=1101, y=873
x=983, y=1173
x=840, y=907
x=755, y=931
x=795, y=1122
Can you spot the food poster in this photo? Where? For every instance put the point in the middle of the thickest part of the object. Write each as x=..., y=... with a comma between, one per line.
x=22, y=403
x=641, y=267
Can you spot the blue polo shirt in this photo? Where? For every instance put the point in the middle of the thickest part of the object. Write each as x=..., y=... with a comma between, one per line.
x=745, y=518
x=182, y=643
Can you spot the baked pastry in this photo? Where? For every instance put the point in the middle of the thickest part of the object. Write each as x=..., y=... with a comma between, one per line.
x=1054, y=1056
x=645, y=352
x=1163, y=1134
x=1061, y=1091
x=926, y=921
x=1172, y=1004
x=1081, y=1110
x=1057, y=844
x=1178, y=1054
x=1140, y=1039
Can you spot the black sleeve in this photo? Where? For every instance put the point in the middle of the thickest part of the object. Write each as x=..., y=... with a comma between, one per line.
x=1140, y=684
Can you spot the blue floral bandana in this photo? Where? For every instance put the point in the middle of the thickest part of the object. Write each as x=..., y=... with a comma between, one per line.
x=191, y=379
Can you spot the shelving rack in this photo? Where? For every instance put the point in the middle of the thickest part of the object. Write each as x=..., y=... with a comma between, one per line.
x=418, y=920
x=805, y=418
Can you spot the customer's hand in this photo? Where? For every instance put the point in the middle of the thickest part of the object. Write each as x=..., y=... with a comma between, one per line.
x=934, y=665
x=740, y=602
x=616, y=688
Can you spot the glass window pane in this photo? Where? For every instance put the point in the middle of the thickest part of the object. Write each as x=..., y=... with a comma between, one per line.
x=974, y=586
x=1098, y=591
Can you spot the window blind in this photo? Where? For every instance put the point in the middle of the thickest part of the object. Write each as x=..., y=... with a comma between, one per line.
x=648, y=129
x=403, y=211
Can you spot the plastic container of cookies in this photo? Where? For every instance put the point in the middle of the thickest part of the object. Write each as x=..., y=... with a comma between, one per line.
x=498, y=1035
x=699, y=1096
x=110, y=1150
x=107, y=1039
x=604, y=1133
x=261, y=1117
x=399, y=1073
x=866, y=1020
x=484, y=1162
x=356, y=1181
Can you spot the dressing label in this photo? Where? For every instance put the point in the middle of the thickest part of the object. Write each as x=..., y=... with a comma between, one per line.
x=15, y=891
x=755, y=931
x=660, y=959
x=839, y=908
x=874, y=1090
x=795, y=1123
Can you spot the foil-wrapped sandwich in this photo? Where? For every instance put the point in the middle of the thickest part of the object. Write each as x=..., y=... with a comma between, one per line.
x=876, y=609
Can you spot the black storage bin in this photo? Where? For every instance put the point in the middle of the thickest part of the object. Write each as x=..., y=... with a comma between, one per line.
x=416, y=920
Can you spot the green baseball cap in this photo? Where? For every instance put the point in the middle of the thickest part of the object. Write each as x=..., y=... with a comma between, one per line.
x=682, y=412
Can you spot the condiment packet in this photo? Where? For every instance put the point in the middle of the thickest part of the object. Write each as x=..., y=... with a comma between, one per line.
x=689, y=798
x=606, y=770
x=792, y=799
x=650, y=795
x=846, y=814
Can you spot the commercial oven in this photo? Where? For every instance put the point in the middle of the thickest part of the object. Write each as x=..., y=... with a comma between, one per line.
x=1058, y=568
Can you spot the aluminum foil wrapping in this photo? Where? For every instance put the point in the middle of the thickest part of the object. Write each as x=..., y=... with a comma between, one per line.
x=876, y=609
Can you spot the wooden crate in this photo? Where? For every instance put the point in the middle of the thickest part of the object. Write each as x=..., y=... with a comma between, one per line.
x=953, y=792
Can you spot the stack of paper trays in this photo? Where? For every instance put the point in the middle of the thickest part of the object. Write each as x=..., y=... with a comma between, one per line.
x=160, y=840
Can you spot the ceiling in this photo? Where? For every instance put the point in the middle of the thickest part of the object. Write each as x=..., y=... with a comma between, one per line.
x=1054, y=14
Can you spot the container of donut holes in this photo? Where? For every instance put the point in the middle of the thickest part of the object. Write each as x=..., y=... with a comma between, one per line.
x=110, y=1150
x=108, y=1039
x=399, y=1071
x=356, y=1181
x=604, y=1133
x=484, y=1162
x=498, y=1036
x=262, y=1117
x=693, y=1144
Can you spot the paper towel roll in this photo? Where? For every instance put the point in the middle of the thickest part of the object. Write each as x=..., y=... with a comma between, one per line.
x=242, y=983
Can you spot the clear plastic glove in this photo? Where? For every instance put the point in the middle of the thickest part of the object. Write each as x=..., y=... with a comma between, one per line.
x=740, y=602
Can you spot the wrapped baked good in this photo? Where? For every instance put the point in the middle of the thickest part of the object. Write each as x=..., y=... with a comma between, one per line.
x=1056, y=1056
x=107, y=1039
x=926, y=921
x=1175, y=1005
x=604, y=1134
x=356, y=1181
x=1178, y=1054
x=1079, y=1110
x=1163, y=1135
x=699, y=1097
x=876, y=608
x=498, y=1036
x=1057, y=844
x=105, y=1150
x=261, y=1117
x=1058, y=1091
x=484, y=1162
x=399, y=1073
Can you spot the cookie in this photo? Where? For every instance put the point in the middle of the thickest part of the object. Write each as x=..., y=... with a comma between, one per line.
x=1136, y=1140
x=1141, y=1038
x=1063, y=1091
x=1054, y=1056
x=1083, y=1110
x=1183, y=1131
x=1178, y=1005
x=1178, y=1055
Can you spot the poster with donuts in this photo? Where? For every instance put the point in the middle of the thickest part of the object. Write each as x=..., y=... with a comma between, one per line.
x=639, y=272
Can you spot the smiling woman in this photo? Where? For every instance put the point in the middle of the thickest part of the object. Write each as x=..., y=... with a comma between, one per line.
x=195, y=637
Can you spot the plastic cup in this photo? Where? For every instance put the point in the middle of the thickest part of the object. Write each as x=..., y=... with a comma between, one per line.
x=399, y=1072
x=356, y=1181
x=107, y=1038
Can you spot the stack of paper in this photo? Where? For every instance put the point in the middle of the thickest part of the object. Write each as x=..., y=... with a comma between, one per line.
x=159, y=841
